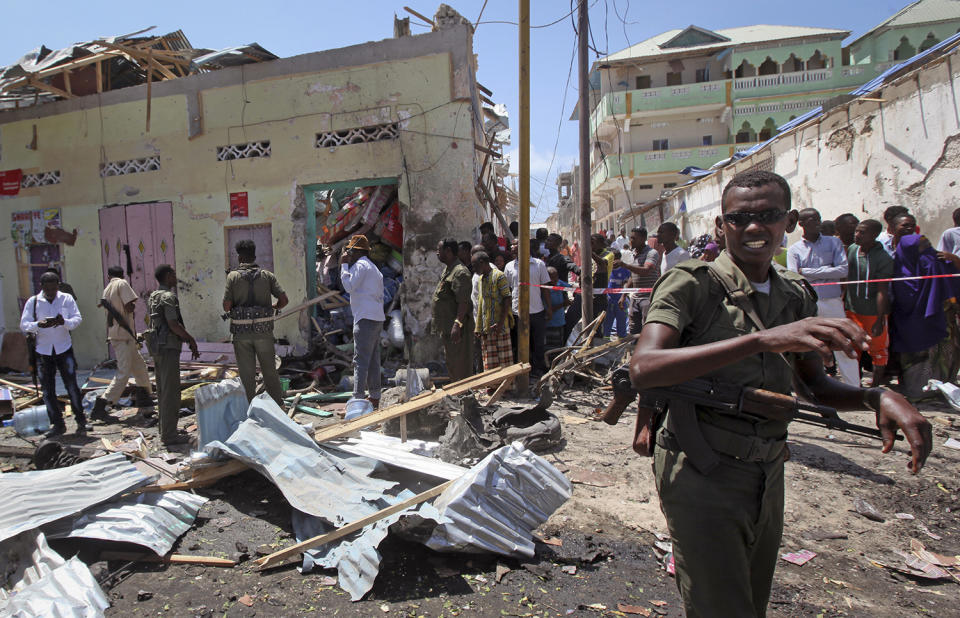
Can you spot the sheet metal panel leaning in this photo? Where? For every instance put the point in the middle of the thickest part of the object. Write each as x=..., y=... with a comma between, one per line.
x=726, y=518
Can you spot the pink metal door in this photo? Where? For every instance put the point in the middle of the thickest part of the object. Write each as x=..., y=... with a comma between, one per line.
x=138, y=238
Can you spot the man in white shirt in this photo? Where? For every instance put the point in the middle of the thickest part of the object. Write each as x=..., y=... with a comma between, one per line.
x=540, y=307
x=50, y=316
x=950, y=240
x=621, y=241
x=362, y=280
x=822, y=259
x=673, y=254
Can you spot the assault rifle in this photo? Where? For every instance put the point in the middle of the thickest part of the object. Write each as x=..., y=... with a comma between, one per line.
x=114, y=316
x=730, y=399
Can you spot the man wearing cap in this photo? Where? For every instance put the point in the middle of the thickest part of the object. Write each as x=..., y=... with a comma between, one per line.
x=363, y=282
x=249, y=301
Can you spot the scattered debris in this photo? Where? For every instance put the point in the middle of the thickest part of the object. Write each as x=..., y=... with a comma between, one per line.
x=903, y=516
x=245, y=600
x=502, y=571
x=799, y=558
x=865, y=509
x=569, y=568
x=951, y=392
x=633, y=609
x=591, y=477
x=952, y=443
x=925, y=530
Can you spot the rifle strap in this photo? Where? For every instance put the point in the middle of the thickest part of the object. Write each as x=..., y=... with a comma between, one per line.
x=682, y=422
x=742, y=301
x=113, y=315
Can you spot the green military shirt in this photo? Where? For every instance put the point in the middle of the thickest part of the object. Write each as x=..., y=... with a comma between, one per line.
x=265, y=286
x=689, y=299
x=164, y=306
x=455, y=287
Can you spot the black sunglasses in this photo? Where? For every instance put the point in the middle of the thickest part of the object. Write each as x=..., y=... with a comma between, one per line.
x=764, y=217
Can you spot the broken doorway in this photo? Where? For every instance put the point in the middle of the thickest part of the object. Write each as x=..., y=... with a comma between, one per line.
x=138, y=238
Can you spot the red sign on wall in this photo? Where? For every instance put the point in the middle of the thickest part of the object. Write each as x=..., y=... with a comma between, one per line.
x=10, y=182
x=238, y=205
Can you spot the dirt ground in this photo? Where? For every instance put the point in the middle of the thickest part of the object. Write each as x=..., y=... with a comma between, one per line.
x=600, y=557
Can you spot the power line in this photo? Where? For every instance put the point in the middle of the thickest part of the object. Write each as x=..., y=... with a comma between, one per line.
x=513, y=23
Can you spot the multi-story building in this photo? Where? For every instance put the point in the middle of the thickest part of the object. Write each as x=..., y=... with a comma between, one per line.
x=693, y=97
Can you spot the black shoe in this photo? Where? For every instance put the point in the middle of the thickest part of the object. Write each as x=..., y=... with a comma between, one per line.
x=99, y=412
x=178, y=439
x=141, y=398
x=55, y=431
x=82, y=428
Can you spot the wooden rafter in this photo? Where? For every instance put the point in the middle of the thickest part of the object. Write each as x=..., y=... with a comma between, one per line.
x=47, y=87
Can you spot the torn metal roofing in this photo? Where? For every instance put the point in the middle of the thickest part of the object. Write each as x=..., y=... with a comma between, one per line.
x=39, y=582
x=111, y=63
x=42, y=496
x=356, y=557
x=393, y=452
x=312, y=479
x=154, y=520
x=497, y=505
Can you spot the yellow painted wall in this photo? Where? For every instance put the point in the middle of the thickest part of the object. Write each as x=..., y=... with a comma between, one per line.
x=436, y=152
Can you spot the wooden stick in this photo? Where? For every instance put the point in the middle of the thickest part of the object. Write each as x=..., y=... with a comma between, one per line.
x=279, y=557
x=21, y=387
x=171, y=559
x=424, y=399
x=202, y=477
x=497, y=394
x=293, y=406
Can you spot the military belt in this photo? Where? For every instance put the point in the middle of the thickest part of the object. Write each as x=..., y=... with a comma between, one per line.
x=745, y=448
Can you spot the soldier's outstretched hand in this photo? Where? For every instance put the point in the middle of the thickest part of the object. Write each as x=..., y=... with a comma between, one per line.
x=823, y=335
x=895, y=412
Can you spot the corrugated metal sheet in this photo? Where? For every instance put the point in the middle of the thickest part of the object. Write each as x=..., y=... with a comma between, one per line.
x=312, y=479
x=43, y=584
x=220, y=407
x=497, y=505
x=356, y=557
x=392, y=451
x=155, y=520
x=32, y=499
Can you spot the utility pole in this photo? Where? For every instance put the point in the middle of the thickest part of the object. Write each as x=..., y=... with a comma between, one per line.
x=586, y=253
x=523, y=251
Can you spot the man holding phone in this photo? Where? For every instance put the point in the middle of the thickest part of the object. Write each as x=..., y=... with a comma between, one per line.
x=49, y=317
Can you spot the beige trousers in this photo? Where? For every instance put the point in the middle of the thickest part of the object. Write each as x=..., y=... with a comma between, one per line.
x=129, y=363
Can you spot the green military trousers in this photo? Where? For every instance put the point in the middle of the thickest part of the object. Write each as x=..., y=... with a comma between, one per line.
x=167, y=370
x=249, y=350
x=726, y=530
x=459, y=356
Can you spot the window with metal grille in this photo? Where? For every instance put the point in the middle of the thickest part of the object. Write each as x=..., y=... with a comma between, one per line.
x=359, y=135
x=248, y=150
x=130, y=166
x=40, y=179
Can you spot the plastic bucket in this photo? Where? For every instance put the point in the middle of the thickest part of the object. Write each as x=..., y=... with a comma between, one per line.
x=357, y=407
x=31, y=421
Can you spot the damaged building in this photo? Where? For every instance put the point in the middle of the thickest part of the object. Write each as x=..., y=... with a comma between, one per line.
x=140, y=150
x=893, y=141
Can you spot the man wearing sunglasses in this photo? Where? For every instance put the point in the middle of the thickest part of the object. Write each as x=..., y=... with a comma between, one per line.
x=720, y=475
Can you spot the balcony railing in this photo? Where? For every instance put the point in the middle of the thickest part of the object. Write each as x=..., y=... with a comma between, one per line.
x=615, y=167
x=654, y=99
x=772, y=81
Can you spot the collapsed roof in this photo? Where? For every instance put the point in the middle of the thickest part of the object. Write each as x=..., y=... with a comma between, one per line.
x=111, y=63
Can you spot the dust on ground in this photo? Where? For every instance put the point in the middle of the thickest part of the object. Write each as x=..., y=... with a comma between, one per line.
x=599, y=558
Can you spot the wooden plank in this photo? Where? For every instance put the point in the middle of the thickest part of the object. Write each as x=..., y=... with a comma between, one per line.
x=129, y=556
x=99, y=66
x=424, y=399
x=498, y=394
x=42, y=86
x=202, y=477
x=66, y=81
x=21, y=387
x=279, y=557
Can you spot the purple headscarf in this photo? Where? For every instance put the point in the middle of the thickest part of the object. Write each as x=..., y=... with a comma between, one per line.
x=917, y=320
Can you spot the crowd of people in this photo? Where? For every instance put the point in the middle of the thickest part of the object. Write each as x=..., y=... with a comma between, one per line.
x=911, y=321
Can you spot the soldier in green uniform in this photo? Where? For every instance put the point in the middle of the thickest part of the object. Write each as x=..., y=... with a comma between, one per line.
x=720, y=476
x=165, y=339
x=453, y=313
x=249, y=301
